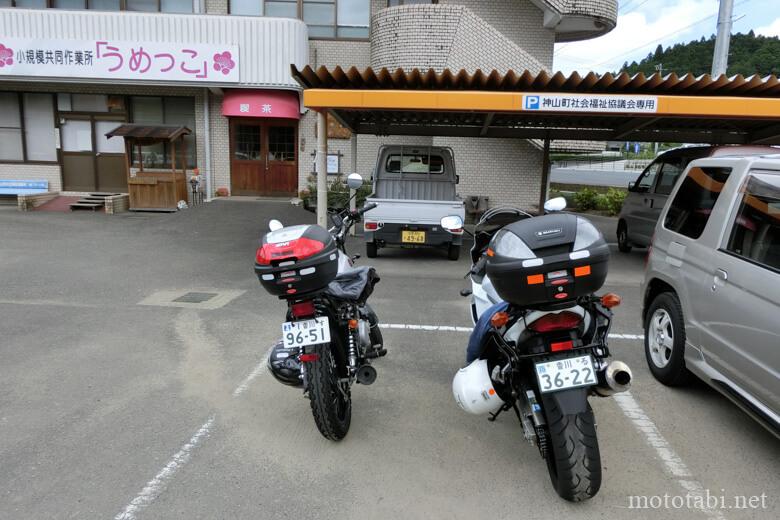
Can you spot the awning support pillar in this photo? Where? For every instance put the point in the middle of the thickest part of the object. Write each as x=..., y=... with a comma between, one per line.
x=353, y=169
x=545, y=185
x=322, y=168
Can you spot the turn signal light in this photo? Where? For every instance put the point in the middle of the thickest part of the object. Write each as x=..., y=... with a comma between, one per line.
x=534, y=279
x=353, y=324
x=582, y=271
x=565, y=320
x=490, y=252
x=610, y=300
x=499, y=319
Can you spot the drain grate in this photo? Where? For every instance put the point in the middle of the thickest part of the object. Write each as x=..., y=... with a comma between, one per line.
x=195, y=297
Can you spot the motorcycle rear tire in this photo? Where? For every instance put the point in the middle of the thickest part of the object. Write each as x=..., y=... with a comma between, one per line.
x=332, y=410
x=573, y=458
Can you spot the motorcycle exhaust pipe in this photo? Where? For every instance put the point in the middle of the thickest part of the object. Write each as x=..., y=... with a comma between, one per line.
x=615, y=378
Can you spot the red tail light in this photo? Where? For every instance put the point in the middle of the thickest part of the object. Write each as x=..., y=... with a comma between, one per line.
x=303, y=309
x=551, y=322
x=300, y=248
x=562, y=345
x=308, y=358
x=370, y=226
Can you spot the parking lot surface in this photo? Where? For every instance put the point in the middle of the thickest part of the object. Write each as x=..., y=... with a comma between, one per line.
x=116, y=401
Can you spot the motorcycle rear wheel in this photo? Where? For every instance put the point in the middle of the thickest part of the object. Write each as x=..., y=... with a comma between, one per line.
x=330, y=406
x=573, y=458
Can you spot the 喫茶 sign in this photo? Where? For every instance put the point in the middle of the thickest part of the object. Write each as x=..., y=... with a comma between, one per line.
x=109, y=59
x=590, y=103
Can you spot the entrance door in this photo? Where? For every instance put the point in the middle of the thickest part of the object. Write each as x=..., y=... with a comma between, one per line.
x=263, y=157
x=90, y=162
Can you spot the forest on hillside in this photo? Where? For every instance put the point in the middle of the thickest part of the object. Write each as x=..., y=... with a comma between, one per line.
x=748, y=54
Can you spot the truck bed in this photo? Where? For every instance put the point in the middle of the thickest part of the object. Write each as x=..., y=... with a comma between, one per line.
x=400, y=211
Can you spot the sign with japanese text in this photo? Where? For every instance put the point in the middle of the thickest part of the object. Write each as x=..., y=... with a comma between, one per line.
x=590, y=103
x=109, y=59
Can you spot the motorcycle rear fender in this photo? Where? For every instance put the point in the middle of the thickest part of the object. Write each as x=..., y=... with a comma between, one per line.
x=570, y=402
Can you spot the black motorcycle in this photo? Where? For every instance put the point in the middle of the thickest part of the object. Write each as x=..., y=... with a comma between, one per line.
x=539, y=346
x=331, y=334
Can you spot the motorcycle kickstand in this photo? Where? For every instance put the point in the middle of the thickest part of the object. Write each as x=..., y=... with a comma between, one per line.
x=494, y=416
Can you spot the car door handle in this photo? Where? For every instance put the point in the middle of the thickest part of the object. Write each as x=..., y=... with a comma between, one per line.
x=649, y=203
x=719, y=279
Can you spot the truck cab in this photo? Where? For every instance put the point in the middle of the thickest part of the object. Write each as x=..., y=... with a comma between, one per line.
x=414, y=188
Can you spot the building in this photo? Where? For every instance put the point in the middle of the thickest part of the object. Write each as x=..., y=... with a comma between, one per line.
x=71, y=70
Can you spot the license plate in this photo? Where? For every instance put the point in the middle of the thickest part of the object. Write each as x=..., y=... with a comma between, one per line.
x=413, y=237
x=565, y=373
x=306, y=332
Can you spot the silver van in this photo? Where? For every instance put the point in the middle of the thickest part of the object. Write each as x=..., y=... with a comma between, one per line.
x=647, y=196
x=711, y=292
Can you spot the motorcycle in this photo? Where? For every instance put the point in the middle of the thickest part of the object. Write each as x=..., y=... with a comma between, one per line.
x=539, y=345
x=330, y=334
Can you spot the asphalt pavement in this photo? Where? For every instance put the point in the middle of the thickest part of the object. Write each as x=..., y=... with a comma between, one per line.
x=116, y=401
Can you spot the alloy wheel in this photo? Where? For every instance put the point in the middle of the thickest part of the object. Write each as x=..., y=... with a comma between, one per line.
x=660, y=336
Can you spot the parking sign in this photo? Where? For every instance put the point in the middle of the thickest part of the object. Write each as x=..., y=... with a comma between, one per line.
x=531, y=102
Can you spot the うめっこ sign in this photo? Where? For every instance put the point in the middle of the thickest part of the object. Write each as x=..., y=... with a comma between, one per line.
x=109, y=59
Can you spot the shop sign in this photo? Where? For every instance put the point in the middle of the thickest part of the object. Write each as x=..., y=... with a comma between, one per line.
x=110, y=59
x=590, y=103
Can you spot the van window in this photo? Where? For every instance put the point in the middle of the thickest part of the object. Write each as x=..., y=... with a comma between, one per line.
x=691, y=208
x=669, y=174
x=414, y=163
x=755, y=233
x=647, y=178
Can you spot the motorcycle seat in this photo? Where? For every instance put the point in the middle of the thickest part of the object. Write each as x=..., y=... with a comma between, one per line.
x=354, y=285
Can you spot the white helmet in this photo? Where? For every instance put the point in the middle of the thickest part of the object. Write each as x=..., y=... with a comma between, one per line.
x=473, y=390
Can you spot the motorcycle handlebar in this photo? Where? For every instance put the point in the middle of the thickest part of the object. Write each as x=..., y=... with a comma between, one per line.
x=367, y=207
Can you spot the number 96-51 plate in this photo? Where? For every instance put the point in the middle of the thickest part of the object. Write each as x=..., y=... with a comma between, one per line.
x=306, y=332
x=565, y=373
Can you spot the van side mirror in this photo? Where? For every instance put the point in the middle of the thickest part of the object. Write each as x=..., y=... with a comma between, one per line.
x=457, y=179
x=631, y=186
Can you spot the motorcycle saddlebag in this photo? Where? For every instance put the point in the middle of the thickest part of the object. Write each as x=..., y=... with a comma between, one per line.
x=296, y=260
x=547, y=260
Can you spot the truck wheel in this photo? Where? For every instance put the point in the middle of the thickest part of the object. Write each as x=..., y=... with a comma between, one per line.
x=371, y=249
x=453, y=252
x=624, y=246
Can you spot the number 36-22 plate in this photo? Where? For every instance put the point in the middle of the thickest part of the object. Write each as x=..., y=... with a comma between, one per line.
x=306, y=332
x=565, y=373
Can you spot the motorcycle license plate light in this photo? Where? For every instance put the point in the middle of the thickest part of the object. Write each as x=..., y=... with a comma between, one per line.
x=556, y=274
x=565, y=373
x=306, y=332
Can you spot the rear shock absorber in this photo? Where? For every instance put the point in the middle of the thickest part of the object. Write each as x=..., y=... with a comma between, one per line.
x=352, y=354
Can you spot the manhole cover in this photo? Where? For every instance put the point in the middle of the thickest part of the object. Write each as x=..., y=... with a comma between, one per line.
x=195, y=297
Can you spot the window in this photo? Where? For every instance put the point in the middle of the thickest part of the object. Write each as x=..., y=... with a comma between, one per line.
x=391, y=3
x=755, y=234
x=165, y=111
x=10, y=128
x=39, y=138
x=247, y=144
x=27, y=127
x=281, y=143
x=669, y=174
x=325, y=18
x=162, y=6
x=691, y=208
x=274, y=8
x=647, y=179
x=414, y=163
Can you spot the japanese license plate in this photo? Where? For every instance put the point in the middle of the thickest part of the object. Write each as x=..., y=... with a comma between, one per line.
x=413, y=237
x=306, y=332
x=566, y=373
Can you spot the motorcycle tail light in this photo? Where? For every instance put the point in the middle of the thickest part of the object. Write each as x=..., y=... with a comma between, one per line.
x=370, y=226
x=300, y=248
x=308, y=358
x=303, y=309
x=553, y=322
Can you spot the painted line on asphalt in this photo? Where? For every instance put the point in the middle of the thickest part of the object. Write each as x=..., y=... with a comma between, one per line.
x=450, y=328
x=671, y=460
x=157, y=485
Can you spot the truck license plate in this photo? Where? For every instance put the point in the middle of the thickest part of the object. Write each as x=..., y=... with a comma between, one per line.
x=306, y=332
x=565, y=373
x=413, y=237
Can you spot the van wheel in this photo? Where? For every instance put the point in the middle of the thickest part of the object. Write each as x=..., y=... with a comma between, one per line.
x=624, y=246
x=665, y=340
x=371, y=249
x=453, y=252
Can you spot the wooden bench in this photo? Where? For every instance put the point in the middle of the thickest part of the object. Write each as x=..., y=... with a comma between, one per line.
x=18, y=187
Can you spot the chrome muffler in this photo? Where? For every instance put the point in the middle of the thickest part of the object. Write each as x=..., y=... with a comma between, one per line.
x=613, y=379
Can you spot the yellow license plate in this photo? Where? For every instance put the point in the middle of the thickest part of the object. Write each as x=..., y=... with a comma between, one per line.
x=413, y=237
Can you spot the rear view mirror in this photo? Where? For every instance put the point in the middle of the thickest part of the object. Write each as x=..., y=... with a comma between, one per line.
x=556, y=204
x=354, y=181
x=452, y=223
x=457, y=179
x=275, y=225
x=631, y=186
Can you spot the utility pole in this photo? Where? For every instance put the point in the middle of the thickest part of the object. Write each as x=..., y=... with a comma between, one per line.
x=720, y=59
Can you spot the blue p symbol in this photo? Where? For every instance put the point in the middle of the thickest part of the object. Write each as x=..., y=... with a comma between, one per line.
x=532, y=102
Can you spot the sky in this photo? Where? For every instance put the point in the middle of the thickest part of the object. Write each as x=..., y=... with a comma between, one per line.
x=643, y=24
